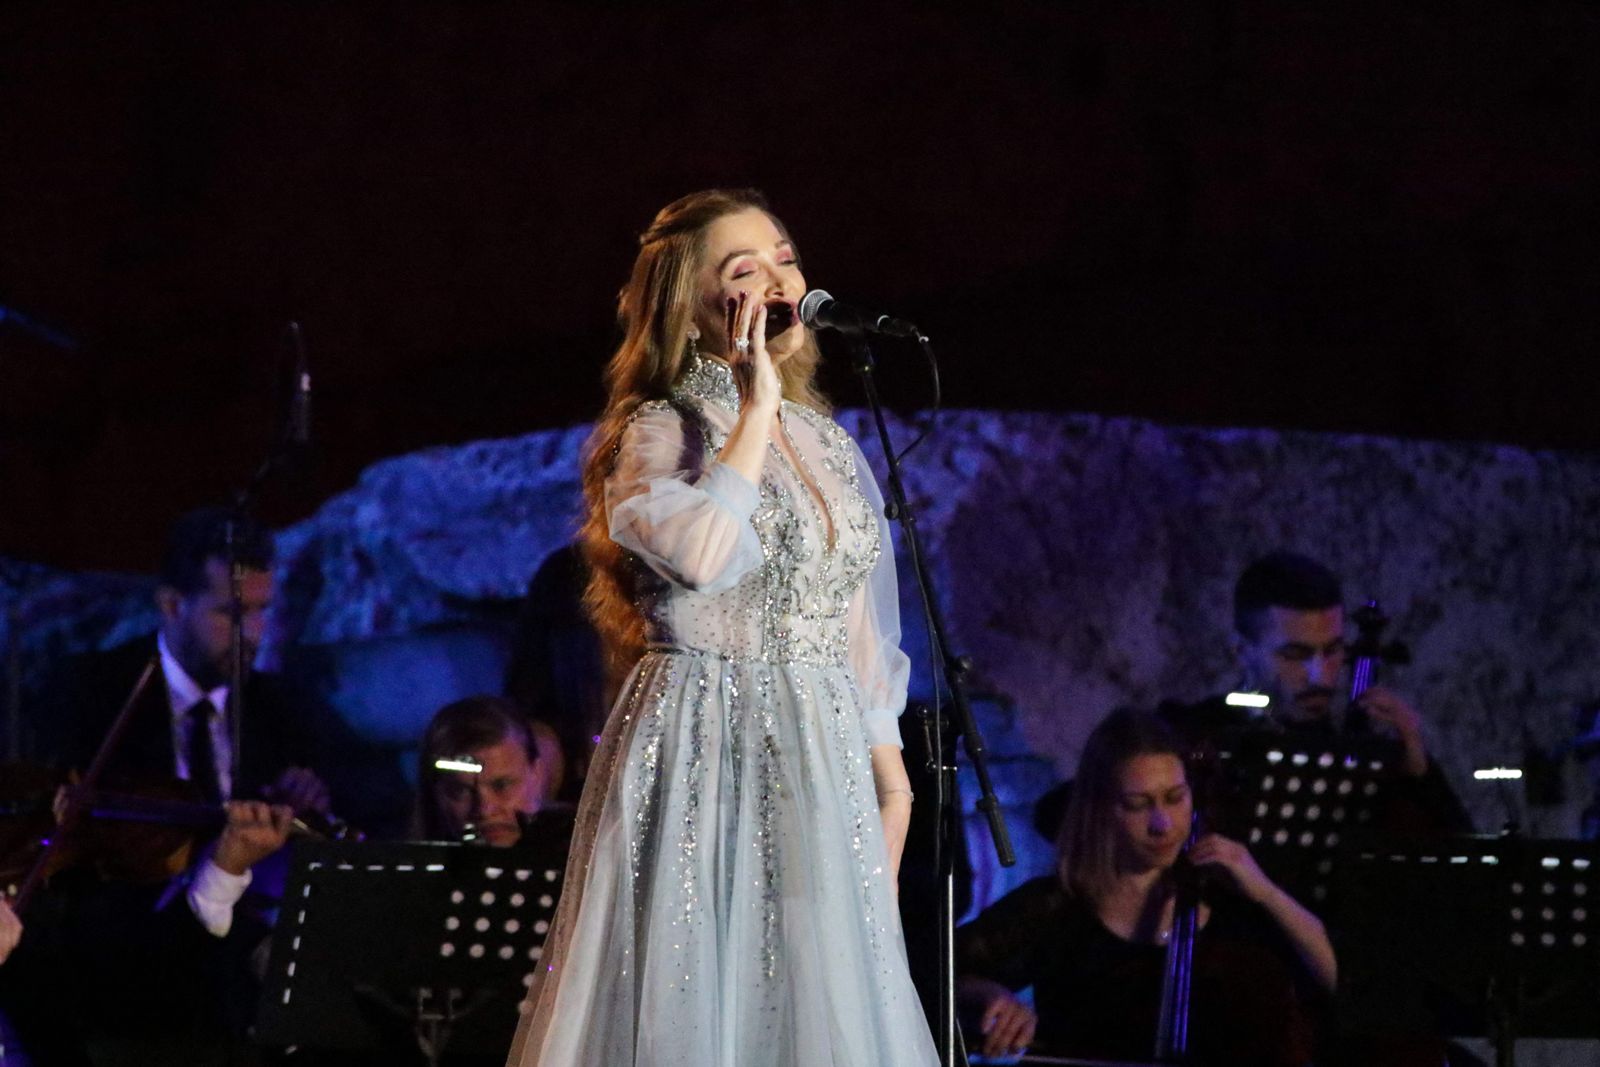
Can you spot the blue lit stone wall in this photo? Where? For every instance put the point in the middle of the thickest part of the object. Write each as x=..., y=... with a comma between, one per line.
x=1083, y=562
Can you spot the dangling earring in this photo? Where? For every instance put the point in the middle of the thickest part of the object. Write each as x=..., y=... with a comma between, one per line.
x=694, y=346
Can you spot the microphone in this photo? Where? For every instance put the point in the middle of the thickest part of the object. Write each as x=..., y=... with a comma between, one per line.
x=820, y=311
x=298, y=430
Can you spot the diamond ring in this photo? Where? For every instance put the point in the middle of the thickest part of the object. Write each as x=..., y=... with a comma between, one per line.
x=743, y=345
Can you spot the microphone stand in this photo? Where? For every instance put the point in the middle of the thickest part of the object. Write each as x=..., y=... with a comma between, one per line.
x=955, y=668
x=291, y=439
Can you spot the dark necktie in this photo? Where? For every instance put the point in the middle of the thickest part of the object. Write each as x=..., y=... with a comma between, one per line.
x=202, y=753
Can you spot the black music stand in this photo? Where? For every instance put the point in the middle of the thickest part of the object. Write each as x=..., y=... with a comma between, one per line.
x=1293, y=800
x=390, y=947
x=1470, y=936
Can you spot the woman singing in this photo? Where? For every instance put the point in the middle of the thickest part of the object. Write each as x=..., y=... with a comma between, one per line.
x=1091, y=940
x=730, y=896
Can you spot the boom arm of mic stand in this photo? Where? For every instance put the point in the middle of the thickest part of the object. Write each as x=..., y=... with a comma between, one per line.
x=955, y=668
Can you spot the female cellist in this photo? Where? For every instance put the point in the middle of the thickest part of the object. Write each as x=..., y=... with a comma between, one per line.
x=1091, y=939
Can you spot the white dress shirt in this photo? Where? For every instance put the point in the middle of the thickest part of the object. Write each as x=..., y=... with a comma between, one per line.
x=184, y=693
x=212, y=891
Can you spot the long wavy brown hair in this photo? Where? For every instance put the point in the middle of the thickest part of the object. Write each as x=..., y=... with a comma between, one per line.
x=655, y=310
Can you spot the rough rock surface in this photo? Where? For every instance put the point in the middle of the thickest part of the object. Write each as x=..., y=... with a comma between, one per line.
x=1083, y=562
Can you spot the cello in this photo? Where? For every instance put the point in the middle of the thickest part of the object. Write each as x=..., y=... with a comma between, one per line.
x=1368, y=653
x=1177, y=976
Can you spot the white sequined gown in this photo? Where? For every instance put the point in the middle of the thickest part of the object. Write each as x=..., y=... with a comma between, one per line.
x=727, y=901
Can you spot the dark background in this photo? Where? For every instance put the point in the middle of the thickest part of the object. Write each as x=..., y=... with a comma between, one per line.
x=1357, y=216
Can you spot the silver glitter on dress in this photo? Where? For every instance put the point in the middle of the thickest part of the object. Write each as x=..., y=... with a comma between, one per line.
x=729, y=902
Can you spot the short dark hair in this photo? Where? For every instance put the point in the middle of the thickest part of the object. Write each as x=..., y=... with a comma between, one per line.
x=1282, y=579
x=202, y=535
x=455, y=730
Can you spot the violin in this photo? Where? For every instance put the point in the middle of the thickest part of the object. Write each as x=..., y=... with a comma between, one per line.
x=26, y=794
x=145, y=834
x=139, y=831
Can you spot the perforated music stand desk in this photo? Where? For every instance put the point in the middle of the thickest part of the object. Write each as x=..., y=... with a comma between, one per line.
x=1470, y=936
x=1294, y=799
x=419, y=946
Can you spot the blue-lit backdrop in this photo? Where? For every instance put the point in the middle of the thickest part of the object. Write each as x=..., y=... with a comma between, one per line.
x=1083, y=562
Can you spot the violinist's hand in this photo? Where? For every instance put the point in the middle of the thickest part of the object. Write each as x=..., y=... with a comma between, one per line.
x=1388, y=708
x=1226, y=854
x=301, y=789
x=1007, y=1024
x=753, y=371
x=10, y=929
x=255, y=830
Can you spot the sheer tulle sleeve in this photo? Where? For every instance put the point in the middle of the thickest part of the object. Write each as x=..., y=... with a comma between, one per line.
x=687, y=519
x=881, y=667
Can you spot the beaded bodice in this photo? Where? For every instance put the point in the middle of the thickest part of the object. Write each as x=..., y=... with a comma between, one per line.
x=794, y=607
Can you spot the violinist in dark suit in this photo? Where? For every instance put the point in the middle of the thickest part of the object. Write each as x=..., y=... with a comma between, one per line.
x=159, y=973
x=180, y=729
x=1091, y=939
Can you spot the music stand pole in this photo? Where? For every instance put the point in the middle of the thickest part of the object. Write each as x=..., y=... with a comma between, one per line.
x=954, y=670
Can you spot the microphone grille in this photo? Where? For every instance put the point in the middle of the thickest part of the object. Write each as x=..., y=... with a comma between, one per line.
x=812, y=303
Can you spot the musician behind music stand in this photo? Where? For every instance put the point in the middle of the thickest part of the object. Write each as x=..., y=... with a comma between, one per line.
x=1473, y=936
x=426, y=948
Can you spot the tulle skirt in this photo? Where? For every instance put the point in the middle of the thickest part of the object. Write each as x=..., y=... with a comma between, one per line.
x=727, y=901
